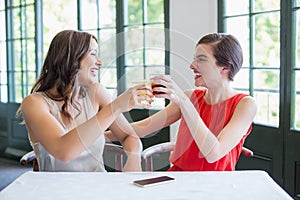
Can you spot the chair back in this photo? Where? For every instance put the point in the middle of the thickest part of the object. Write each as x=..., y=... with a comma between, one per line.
x=117, y=150
x=147, y=154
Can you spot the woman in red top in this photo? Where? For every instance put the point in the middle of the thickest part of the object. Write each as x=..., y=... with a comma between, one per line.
x=215, y=118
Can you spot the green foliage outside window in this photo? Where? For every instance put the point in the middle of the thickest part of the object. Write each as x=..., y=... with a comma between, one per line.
x=261, y=54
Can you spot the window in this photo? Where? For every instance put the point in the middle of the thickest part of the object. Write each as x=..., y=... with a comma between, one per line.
x=57, y=15
x=103, y=25
x=272, y=55
x=295, y=77
x=17, y=43
x=131, y=33
x=256, y=24
x=131, y=47
x=3, y=70
x=145, y=42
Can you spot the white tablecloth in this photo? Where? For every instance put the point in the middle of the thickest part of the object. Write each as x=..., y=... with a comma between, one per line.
x=254, y=185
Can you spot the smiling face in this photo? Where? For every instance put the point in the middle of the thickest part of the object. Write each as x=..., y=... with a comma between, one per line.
x=207, y=73
x=89, y=66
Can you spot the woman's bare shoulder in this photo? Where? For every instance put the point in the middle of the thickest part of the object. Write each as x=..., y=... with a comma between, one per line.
x=34, y=101
x=32, y=98
x=247, y=104
x=248, y=99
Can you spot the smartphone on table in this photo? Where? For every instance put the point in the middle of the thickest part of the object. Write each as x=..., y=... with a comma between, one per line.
x=153, y=181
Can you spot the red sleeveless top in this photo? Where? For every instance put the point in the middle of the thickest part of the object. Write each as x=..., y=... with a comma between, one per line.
x=187, y=156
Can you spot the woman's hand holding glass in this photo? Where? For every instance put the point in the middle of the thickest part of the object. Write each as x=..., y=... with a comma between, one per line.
x=138, y=96
x=147, y=84
x=164, y=87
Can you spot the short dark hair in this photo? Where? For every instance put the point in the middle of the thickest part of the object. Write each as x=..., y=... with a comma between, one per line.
x=226, y=50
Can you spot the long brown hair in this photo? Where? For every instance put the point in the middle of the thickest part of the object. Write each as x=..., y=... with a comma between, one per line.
x=62, y=65
x=226, y=50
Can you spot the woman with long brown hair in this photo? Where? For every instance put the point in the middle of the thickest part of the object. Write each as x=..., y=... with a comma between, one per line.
x=68, y=111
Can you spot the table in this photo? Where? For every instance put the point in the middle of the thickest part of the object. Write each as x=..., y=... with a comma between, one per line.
x=252, y=184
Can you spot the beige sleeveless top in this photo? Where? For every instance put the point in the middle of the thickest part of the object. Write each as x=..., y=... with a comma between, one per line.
x=90, y=160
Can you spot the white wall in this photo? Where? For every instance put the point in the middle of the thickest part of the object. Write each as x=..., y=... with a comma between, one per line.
x=189, y=21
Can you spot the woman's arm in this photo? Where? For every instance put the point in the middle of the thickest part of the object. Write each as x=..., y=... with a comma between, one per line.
x=157, y=121
x=125, y=134
x=131, y=143
x=44, y=128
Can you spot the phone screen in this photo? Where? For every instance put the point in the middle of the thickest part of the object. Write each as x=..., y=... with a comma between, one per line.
x=153, y=181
